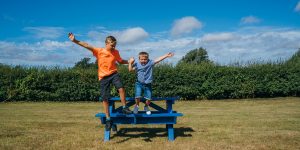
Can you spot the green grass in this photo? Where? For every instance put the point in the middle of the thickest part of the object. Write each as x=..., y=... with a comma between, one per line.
x=231, y=124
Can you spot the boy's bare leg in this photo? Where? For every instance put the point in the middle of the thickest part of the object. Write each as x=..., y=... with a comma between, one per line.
x=147, y=108
x=125, y=109
x=136, y=107
x=137, y=101
x=148, y=102
x=122, y=96
x=108, y=123
x=105, y=106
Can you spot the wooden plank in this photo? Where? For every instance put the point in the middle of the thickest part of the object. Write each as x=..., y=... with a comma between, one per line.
x=153, y=115
x=143, y=99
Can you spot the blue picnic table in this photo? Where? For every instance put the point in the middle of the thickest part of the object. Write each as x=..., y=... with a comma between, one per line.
x=158, y=115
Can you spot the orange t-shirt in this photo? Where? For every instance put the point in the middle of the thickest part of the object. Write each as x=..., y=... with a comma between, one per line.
x=106, y=61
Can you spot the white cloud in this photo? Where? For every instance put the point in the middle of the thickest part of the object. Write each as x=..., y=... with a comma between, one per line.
x=245, y=44
x=131, y=35
x=217, y=37
x=241, y=45
x=272, y=44
x=45, y=32
x=297, y=8
x=185, y=25
x=127, y=36
x=97, y=36
x=250, y=20
x=46, y=52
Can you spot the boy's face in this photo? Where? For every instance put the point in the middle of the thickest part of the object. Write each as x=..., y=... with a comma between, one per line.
x=111, y=45
x=143, y=59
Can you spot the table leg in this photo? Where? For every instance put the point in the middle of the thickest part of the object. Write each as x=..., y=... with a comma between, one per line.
x=114, y=128
x=170, y=132
x=106, y=135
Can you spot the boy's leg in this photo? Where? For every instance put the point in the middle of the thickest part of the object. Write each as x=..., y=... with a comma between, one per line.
x=122, y=96
x=109, y=122
x=137, y=101
x=116, y=80
x=136, y=106
x=105, y=94
x=148, y=101
x=125, y=109
x=148, y=95
x=147, y=108
x=138, y=95
x=105, y=106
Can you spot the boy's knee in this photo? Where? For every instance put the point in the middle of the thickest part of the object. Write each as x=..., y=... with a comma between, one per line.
x=148, y=102
x=121, y=90
x=105, y=101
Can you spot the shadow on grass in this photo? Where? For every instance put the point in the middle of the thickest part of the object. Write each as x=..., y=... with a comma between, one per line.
x=148, y=133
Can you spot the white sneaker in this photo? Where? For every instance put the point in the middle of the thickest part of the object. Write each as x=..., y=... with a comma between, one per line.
x=136, y=109
x=148, y=112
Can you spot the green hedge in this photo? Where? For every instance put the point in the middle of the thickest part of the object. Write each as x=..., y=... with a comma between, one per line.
x=189, y=81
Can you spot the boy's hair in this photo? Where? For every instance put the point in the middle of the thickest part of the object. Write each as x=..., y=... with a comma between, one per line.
x=110, y=39
x=143, y=54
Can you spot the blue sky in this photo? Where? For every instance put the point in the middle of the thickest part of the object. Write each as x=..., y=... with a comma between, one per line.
x=34, y=32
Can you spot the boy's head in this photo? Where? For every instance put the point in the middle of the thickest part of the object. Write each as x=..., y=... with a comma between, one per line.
x=143, y=57
x=110, y=43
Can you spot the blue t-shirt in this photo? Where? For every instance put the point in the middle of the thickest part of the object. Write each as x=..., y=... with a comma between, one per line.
x=144, y=72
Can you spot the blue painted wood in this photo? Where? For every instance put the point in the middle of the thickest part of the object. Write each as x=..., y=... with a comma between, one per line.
x=170, y=132
x=156, y=107
x=165, y=118
x=114, y=128
x=106, y=135
x=169, y=106
x=143, y=99
x=160, y=116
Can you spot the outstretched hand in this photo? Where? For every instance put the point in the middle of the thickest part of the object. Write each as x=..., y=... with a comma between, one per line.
x=170, y=54
x=71, y=36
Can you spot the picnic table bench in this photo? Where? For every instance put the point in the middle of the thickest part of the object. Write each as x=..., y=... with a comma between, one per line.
x=158, y=115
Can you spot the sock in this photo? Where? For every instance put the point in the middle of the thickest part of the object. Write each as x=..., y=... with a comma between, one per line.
x=108, y=118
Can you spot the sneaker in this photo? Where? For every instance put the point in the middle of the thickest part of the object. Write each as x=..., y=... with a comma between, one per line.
x=136, y=109
x=108, y=125
x=147, y=109
x=126, y=110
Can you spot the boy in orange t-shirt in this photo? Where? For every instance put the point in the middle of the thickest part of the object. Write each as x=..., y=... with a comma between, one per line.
x=107, y=72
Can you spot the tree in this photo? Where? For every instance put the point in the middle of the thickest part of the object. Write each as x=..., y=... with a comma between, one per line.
x=295, y=58
x=84, y=63
x=196, y=56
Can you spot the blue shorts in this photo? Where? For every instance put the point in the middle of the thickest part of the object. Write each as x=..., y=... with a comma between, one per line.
x=141, y=87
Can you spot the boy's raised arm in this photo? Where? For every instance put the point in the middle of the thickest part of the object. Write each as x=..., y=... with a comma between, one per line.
x=124, y=62
x=83, y=44
x=163, y=57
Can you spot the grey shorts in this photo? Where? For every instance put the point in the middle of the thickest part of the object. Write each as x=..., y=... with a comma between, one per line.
x=105, y=83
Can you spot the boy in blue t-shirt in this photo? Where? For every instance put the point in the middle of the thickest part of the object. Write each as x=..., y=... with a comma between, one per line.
x=144, y=70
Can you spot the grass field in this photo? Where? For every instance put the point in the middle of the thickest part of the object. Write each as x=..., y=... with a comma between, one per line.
x=231, y=124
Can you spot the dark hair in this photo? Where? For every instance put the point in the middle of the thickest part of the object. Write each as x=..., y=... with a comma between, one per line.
x=144, y=53
x=111, y=39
